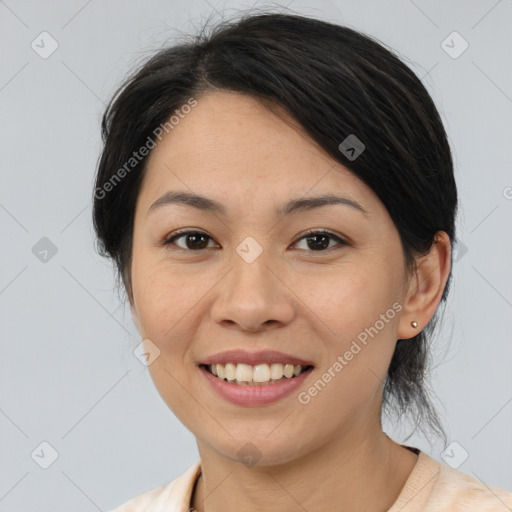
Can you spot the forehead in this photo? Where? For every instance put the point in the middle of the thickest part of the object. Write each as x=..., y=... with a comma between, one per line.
x=231, y=142
x=233, y=126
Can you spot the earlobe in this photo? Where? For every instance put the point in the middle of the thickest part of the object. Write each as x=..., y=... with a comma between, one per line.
x=426, y=287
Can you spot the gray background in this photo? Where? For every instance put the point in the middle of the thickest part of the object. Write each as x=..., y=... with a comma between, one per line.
x=68, y=376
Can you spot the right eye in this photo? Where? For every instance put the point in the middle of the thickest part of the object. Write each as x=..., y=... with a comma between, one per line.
x=194, y=240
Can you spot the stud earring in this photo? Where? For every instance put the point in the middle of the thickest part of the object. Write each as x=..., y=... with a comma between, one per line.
x=414, y=324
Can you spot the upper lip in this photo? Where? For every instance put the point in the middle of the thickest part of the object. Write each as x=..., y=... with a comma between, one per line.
x=253, y=358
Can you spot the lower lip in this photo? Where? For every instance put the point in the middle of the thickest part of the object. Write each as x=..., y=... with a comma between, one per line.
x=254, y=395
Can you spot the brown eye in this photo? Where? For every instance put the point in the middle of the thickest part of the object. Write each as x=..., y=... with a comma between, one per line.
x=194, y=240
x=319, y=241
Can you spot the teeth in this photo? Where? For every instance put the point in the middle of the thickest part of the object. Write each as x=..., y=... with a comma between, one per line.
x=229, y=371
x=260, y=374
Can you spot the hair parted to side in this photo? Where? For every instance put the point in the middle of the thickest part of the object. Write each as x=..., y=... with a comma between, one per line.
x=334, y=81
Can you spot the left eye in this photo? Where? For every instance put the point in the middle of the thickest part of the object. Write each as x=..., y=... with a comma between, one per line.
x=320, y=240
x=196, y=240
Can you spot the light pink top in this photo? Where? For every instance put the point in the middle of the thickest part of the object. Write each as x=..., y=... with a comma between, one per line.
x=431, y=487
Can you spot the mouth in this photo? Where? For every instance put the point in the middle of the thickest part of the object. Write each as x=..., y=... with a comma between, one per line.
x=242, y=374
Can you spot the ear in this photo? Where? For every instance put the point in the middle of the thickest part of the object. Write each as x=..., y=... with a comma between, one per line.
x=426, y=287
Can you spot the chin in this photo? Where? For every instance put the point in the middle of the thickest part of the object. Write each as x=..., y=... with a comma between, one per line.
x=254, y=451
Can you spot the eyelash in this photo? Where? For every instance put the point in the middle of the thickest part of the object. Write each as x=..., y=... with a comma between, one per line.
x=310, y=233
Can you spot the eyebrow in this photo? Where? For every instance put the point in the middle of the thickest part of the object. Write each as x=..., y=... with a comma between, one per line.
x=210, y=205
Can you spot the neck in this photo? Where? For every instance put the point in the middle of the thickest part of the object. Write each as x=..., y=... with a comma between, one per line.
x=343, y=475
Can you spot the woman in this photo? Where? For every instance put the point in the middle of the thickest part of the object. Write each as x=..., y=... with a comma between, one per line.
x=279, y=200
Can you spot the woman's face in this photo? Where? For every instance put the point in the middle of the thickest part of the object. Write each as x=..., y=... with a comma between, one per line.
x=253, y=281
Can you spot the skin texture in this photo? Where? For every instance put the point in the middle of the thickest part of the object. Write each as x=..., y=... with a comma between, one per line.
x=330, y=454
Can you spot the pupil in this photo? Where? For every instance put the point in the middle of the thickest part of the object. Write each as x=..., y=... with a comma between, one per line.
x=195, y=238
x=324, y=243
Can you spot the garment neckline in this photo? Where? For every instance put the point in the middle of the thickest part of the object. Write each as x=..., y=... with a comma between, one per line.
x=415, y=486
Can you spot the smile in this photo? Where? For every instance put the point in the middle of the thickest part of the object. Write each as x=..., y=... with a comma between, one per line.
x=255, y=375
x=250, y=393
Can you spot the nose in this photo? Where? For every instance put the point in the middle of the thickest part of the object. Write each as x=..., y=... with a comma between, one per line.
x=253, y=296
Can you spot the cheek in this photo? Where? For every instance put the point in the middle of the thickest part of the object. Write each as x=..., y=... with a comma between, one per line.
x=348, y=299
x=167, y=301
x=357, y=311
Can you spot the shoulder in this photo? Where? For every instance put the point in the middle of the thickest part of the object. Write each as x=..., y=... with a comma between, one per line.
x=140, y=502
x=174, y=495
x=458, y=491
